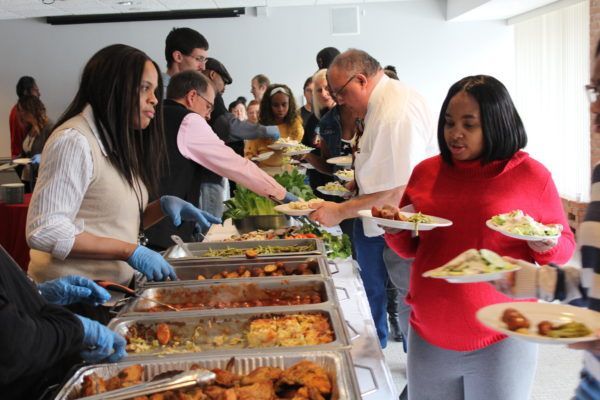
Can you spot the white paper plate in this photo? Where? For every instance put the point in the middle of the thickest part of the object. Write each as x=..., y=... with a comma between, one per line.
x=343, y=178
x=263, y=156
x=285, y=209
x=307, y=166
x=472, y=278
x=344, y=161
x=436, y=222
x=281, y=146
x=334, y=192
x=21, y=161
x=497, y=228
x=491, y=316
x=297, y=152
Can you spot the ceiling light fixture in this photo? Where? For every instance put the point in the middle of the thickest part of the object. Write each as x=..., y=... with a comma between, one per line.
x=125, y=3
x=48, y=2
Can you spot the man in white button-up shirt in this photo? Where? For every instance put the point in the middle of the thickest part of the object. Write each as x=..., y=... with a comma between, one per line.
x=398, y=134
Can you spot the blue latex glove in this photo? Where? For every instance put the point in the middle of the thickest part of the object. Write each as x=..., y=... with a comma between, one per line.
x=36, y=159
x=290, y=197
x=101, y=343
x=73, y=289
x=272, y=132
x=151, y=264
x=180, y=210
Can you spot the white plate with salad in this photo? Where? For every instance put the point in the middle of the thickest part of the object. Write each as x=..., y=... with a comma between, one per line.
x=334, y=189
x=297, y=150
x=345, y=175
x=410, y=221
x=282, y=143
x=473, y=266
x=518, y=225
x=263, y=156
x=343, y=161
x=298, y=208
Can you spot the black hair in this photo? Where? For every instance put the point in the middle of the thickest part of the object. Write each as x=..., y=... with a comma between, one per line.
x=307, y=82
x=110, y=84
x=503, y=130
x=33, y=106
x=325, y=57
x=184, y=40
x=234, y=104
x=24, y=86
x=181, y=83
x=266, y=117
x=242, y=100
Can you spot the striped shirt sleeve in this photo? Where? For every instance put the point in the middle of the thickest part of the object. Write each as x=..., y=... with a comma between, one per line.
x=589, y=239
x=65, y=174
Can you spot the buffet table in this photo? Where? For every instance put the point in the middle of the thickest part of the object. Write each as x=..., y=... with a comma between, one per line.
x=374, y=376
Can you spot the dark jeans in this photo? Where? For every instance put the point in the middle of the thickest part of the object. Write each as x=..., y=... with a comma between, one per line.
x=589, y=388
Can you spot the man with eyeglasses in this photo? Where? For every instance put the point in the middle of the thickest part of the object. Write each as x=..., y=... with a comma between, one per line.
x=192, y=147
x=395, y=132
x=185, y=50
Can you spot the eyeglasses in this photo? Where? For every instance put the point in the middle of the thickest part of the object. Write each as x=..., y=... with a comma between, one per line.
x=593, y=93
x=340, y=91
x=210, y=105
x=200, y=59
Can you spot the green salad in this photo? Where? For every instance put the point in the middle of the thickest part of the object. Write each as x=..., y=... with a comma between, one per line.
x=522, y=224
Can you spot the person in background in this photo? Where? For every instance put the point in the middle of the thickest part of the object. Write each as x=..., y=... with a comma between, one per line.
x=258, y=86
x=277, y=107
x=306, y=110
x=26, y=86
x=41, y=341
x=480, y=135
x=90, y=208
x=185, y=49
x=326, y=56
x=238, y=109
x=394, y=132
x=232, y=131
x=390, y=71
x=38, y=128
x=253, y=111
x=192, y=145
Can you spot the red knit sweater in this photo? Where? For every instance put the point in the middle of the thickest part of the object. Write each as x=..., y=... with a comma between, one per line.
x=468, y=194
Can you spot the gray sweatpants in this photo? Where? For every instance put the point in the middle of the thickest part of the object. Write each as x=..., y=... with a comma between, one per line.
x=502, y=371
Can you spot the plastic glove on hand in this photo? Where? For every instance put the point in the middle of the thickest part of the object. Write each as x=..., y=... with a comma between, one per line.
x=36, y=159
x=151, y=264
x=73, y=289
x=180, y=210
x=289, y=197
x=101, y=343
x=272, y=132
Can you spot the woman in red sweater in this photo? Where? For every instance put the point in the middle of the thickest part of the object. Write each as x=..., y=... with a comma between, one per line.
x=480, y=172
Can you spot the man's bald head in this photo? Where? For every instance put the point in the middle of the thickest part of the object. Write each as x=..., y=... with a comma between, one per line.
x=354, y=61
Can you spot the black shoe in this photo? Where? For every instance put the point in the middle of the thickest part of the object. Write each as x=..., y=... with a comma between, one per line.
x=404, y=394
x=393, y=315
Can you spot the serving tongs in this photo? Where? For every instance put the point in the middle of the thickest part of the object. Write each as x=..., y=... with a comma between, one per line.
x=179, y=381
x=108, y=285
x=303, y=219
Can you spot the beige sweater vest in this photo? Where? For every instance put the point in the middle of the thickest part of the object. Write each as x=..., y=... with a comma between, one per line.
x=109, y=209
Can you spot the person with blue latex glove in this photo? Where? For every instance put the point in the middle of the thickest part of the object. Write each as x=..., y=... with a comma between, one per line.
x=272, y=132
x=151, y=264
x=36, y=158
x=101, y=343
x=73, y=289
x=180, y=210
x=289, y=197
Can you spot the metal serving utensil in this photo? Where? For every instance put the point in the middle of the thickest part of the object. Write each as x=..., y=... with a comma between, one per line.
x=179, y=381
x=179, y=242
x=123, y=289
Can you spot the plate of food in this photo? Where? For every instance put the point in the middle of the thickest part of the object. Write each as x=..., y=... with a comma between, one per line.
x=282, y=143
x=21, y=161
x=414, y=221
x=297, y=150
x=516, y=224
x=263, y=156
x=473, y=266
x=334, y=189
x=343, y=161
x=546, y=323
x=345, y=175
x=297, y=208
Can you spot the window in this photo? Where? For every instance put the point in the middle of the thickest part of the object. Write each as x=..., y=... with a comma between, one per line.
x=552, y=66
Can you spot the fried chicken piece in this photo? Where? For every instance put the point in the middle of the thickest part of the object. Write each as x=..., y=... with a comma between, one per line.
x=192, y=394
x=128, y=376
x=307, y=373
x=168, y=395
x=262, y=374
x=226, y=378
x=218, y=393
x=92, y=384
x=256, y=391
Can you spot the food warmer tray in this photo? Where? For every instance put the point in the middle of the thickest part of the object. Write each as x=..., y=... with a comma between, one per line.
x=198, y=249
x=220, y=322
x=227, y=291
x=188, y=271
x=337, y=363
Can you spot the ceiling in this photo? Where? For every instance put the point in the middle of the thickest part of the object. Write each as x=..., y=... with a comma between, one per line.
x=460, y=10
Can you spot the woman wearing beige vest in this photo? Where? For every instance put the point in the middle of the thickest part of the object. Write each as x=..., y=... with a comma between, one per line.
x=90, y=205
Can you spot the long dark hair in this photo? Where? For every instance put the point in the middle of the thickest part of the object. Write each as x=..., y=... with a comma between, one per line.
x=33, y=106
x=503, y=130
x=110, y=84
x=266, y=117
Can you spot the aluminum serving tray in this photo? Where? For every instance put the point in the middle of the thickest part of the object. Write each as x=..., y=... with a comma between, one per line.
x=188, y=270
x=210, y=294
x=176, y=253
x=337, y=363
x=228, y=322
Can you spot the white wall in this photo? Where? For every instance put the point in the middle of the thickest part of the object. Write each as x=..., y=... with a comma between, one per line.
x=429, y=53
